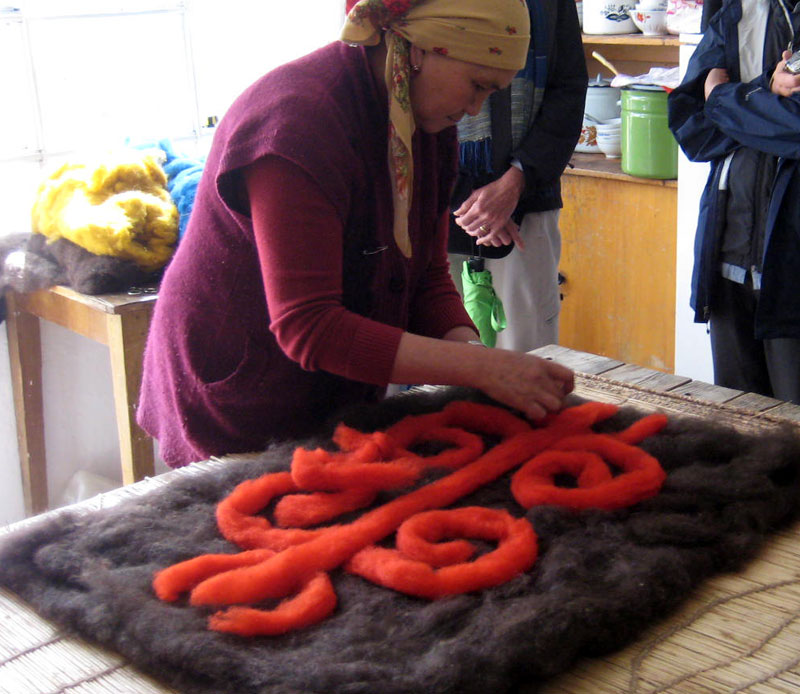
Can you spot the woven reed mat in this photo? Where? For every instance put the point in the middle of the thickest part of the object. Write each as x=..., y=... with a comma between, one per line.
x=38, y=658
x=736, y=633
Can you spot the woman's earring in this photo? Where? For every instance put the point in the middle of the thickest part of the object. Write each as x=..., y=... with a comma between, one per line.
x=416, y=69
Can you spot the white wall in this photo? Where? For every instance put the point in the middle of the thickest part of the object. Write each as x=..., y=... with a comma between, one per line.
x=232, y=43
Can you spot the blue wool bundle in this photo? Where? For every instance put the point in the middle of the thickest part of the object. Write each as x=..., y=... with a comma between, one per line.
x=183, y=177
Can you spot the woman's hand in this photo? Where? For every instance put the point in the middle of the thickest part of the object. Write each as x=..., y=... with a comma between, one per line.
x=533, y=385
x=486, y=213
x=784, y=83
x=525, y=382
x=715, y=77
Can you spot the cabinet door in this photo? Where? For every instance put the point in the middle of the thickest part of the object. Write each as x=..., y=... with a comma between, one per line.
x=618, y=258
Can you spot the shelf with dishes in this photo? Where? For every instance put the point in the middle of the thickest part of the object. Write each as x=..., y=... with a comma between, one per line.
x=635, y=40
x=630, y=54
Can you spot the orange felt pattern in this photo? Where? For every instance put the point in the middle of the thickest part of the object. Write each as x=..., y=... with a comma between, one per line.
x=515, y=553
x=170, y=583
x=288, y=563
x=581, y=456
x=305, y=510
x=315, y=601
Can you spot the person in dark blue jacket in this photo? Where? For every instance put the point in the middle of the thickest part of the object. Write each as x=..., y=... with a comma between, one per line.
x=739, y=110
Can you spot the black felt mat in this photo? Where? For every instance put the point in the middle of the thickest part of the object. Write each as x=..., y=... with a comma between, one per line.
x=601, y=577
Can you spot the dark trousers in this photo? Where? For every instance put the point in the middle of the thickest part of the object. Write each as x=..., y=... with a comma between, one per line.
x=769, y=367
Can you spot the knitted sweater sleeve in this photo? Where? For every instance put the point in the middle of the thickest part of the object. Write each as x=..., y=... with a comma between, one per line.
x=299, y=238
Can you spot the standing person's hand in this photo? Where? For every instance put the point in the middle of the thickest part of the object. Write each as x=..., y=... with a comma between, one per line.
x=486, y=213
x=784, y=83
x=715, y=77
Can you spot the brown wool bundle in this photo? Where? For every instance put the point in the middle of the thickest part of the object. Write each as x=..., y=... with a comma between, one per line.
x=598, y=579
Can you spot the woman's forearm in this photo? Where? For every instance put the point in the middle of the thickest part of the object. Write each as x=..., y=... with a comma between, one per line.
x=522, y=381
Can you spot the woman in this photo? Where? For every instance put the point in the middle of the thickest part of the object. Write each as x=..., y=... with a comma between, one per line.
x=314, y=271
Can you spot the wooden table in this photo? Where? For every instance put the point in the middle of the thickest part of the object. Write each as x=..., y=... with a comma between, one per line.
x=736, y=632
x=119, y=321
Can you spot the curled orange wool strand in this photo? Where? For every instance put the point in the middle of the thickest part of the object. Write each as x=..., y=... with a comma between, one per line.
x=289, y=562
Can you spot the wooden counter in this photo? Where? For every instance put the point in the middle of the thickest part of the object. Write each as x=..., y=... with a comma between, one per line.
x=600, y=166
x=619, y=236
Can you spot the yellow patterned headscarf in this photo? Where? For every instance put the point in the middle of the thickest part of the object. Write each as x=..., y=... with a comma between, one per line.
x=492, y=33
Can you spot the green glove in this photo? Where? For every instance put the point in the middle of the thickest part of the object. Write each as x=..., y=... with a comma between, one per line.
x=482, y=303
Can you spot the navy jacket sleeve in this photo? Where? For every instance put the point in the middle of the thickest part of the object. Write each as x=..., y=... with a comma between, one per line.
x=698, y=136
x=736, y=113
x=753, y=116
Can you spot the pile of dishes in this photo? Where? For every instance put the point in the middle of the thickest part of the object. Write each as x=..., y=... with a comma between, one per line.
x=608, y=137
x=602, y=104
x=650, y=17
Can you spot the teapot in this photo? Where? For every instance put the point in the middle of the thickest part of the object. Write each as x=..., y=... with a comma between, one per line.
x=602, y=100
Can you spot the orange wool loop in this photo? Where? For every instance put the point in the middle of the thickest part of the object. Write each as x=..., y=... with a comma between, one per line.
x=305, y=510
x=418, y=538
x=238, y=525
x=466, y=447
x=315, y=601
x=469, y=416
x=643, y=428
x=583, y=416
x=516, y=552
x=588, y=469
x=325, y=471
x=349, y=439
x=641, y=478
x=171, y=582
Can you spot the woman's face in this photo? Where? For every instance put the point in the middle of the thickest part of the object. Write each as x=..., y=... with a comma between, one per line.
x=445, y=89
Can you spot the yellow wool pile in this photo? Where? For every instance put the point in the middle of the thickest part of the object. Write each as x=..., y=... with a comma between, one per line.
x=117, y=206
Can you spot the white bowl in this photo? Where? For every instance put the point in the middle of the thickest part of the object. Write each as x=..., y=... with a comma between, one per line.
x=587, y=142
x=650, y=22
x=604, y=17
x=611, y=148
x=645, y=5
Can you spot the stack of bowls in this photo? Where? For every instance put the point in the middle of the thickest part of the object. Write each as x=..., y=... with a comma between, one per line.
x=608, y=137
x=650, y=16
x=602, y=104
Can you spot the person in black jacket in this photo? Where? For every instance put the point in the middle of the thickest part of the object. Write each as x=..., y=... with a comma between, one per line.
x=508, y=192
x=736, y=109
